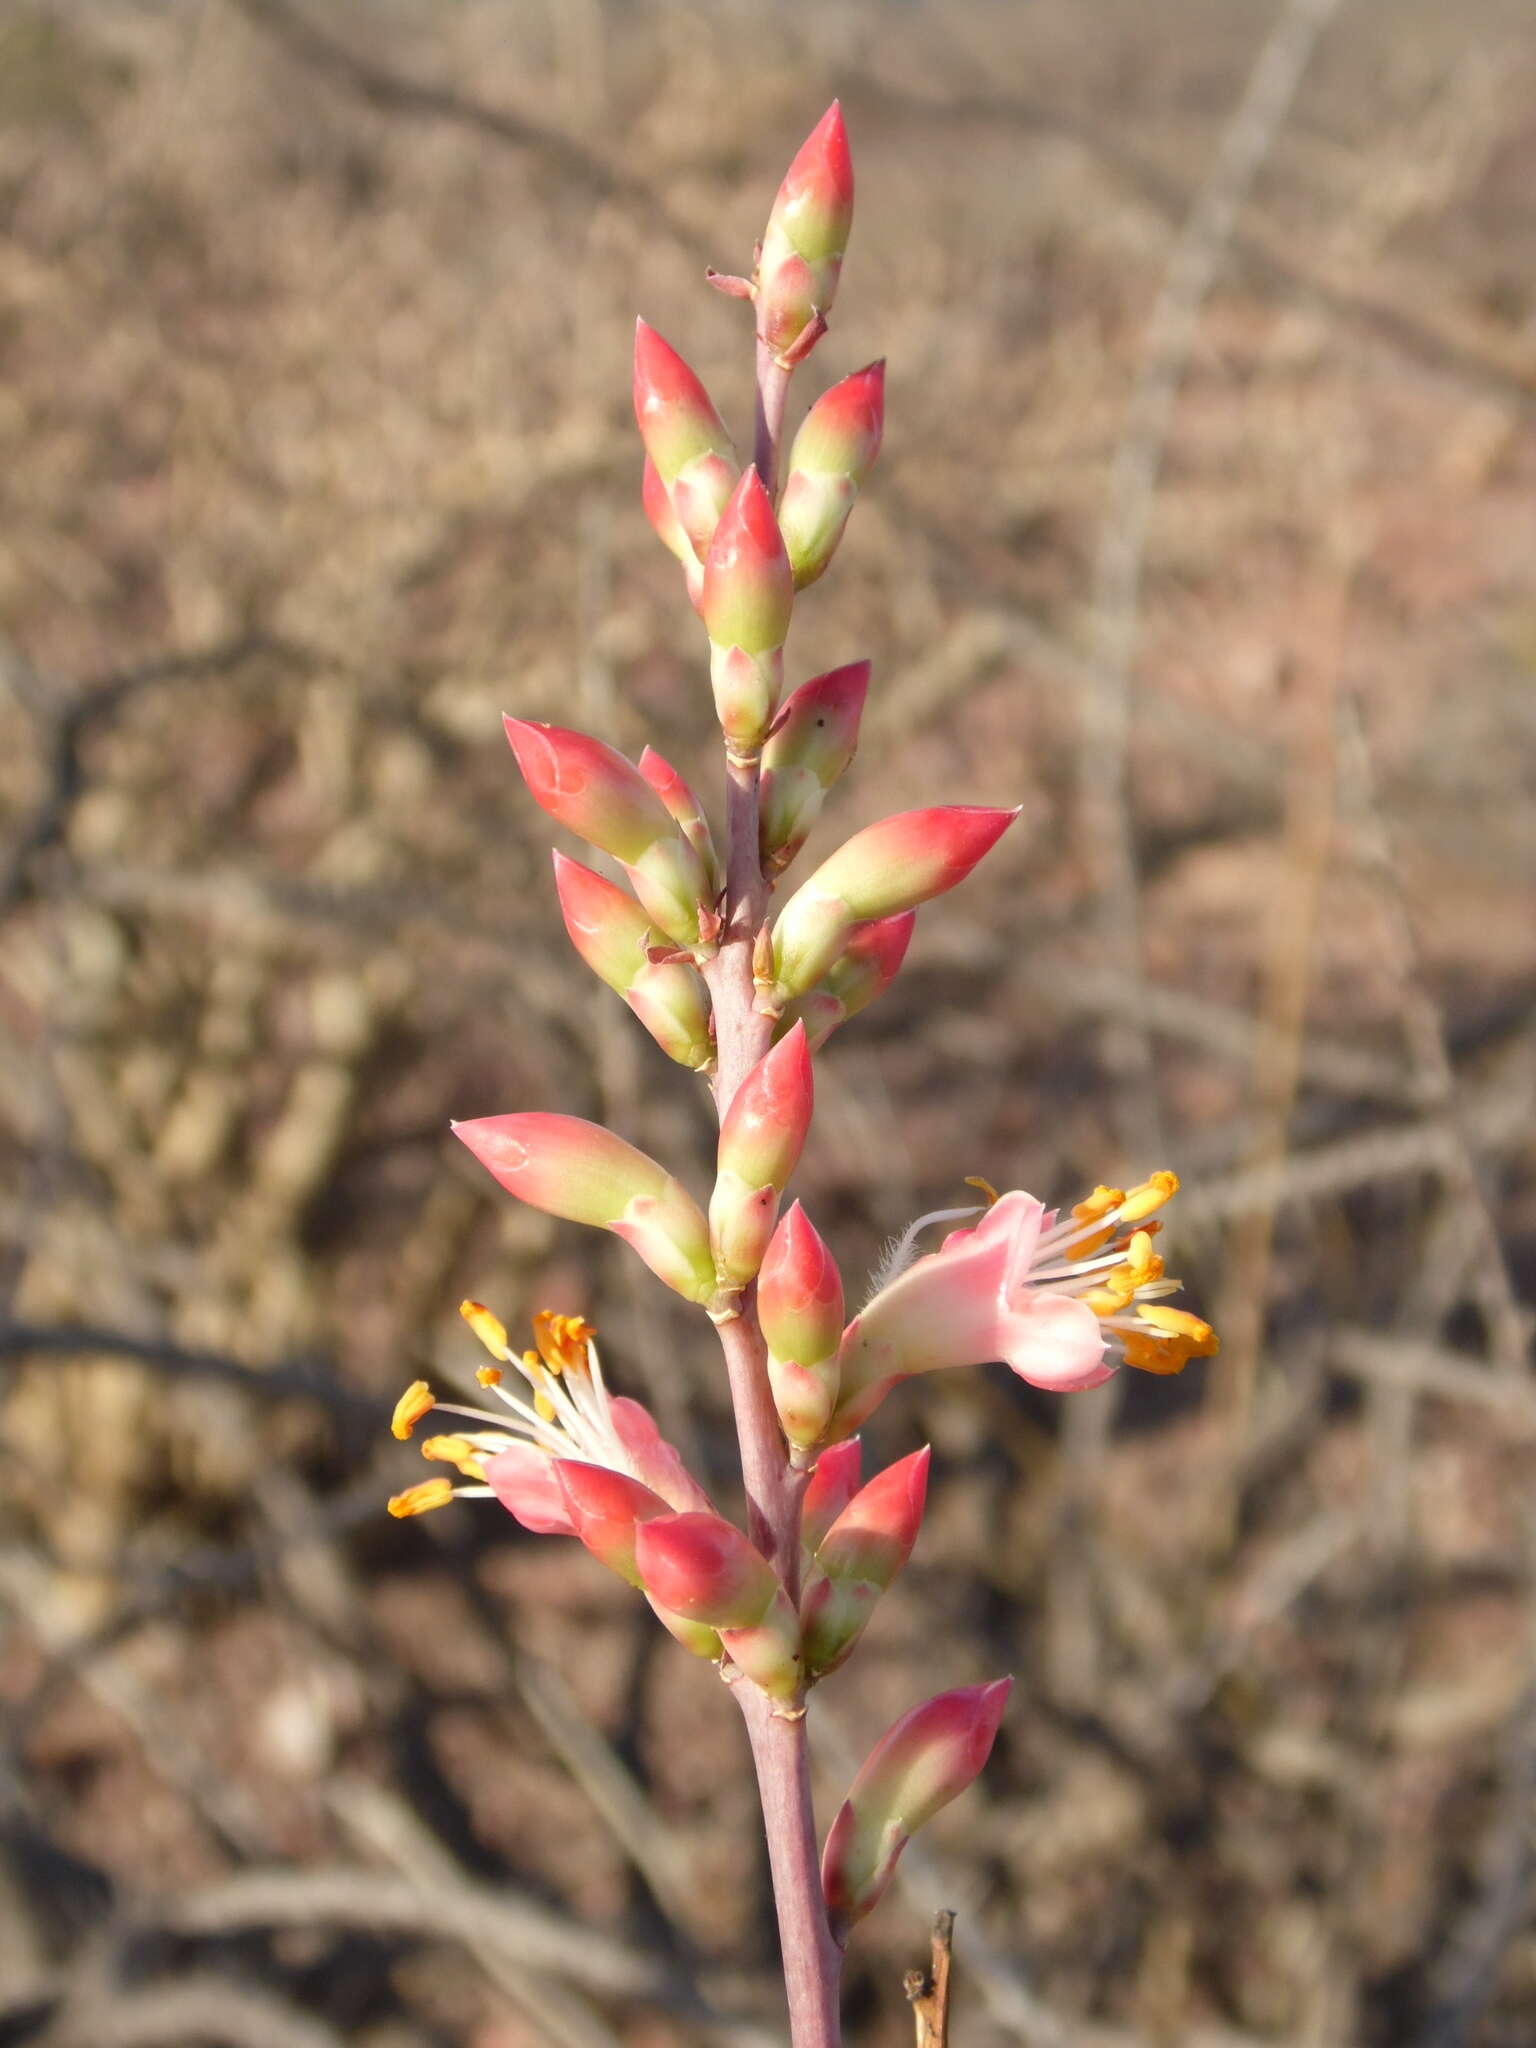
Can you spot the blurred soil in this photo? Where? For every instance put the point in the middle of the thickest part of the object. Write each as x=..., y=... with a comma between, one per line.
x=314, y=333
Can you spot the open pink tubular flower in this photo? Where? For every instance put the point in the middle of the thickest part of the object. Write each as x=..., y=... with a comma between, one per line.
x=556, y=1406
x=1063, y=1300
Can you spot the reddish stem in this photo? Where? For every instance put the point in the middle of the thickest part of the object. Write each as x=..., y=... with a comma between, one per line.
x=812, y=1960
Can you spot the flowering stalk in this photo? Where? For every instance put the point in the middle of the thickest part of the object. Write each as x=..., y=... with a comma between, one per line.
x=745, y=1002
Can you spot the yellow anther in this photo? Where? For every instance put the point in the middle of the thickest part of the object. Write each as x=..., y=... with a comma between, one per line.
x=420, y=1500
x=544, y=1407
x=489, y=1375
x=985, y=1187
x=415, y=1402
x=1141, y=1262
x=562, y=1340
x=1183, y=1327
x=1150, y=1196
x=1156, y=1354
x=1115, y=1290
x=1098, y=1204
x=457, y=1451
x=490, y=1329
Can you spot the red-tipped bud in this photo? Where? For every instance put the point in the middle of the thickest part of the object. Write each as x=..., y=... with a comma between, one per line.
x=760, y=1143
x=770, y=1113
x=748, y=596
x=676, y=416
x=604, y=1509
x=885, y=869
x=800, y=1307
x=857, y=1560
x=662, y=514
x=812, y=741
x=832, y=1485
x=590, y=788
x=927, y=1759
x=685, y=808
x=807, y=232
x=613, y=935
x=576, y=1169
x=873, y=1536
x=833, y=453
x=800, y=1292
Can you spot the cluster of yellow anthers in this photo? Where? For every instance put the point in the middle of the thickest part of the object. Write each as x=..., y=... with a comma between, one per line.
x=1108, y=1241
x=564, y=1411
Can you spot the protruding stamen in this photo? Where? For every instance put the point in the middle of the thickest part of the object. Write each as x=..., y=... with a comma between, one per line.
x=490, y=1329
x=457, y=1451
x=412, y=1405
x=489, y=1375
x=985, y=1187
x=420, y=1500
x=1150, y=1196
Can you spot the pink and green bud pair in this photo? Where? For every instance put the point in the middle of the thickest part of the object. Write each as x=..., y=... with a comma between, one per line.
x=887, y=868
x=760, y=1143
x=857, y=1560
x=800, y=1311
x=686, y=445
x=924, y=1761
x=701, y=1567
x=865, y=969
x=615, y=937
x=802, y=252
x=833, y=453
x=746, y=602
x=569, y=1167
x=812, y=741
x=590, y=788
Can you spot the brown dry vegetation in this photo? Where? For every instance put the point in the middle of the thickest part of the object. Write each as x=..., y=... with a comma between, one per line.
x=313, y=407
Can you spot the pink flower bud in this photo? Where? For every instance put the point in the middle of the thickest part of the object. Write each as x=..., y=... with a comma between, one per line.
x=702, y=1566
x=873, y=1536
x=662, y=514
x=833, y=453
x=748, y=596
x=675, y=414
x=576, y=1169
x=604, y=1508
x=832, y=1485
x=888, y=867
x=613, y=934
x=812, y=741
x=589, y=787
x=870, y=961
x=800, y=1292
x=685, y=808
x=764, y=1128
x=807, y=232
x=857, y=1560
x=800, y=1307
x=927, y=1759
